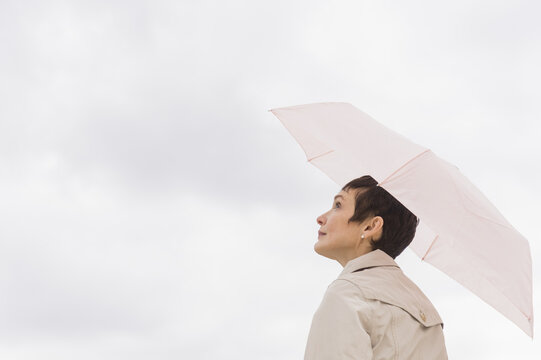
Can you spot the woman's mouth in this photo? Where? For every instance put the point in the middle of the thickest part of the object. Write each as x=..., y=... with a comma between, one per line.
x=319, y=233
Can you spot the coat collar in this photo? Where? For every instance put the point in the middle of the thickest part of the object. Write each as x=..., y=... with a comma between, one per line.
x=371, y=259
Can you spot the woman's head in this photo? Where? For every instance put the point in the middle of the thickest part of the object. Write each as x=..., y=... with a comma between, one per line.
x=364, y=217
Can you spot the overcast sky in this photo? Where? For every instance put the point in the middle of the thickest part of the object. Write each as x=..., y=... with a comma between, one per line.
x=152, y=208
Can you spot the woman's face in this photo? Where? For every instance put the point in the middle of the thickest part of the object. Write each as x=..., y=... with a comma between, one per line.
x=338, y=239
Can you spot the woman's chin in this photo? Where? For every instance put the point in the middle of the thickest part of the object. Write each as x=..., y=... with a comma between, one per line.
x=326, y=248
x=321, y=249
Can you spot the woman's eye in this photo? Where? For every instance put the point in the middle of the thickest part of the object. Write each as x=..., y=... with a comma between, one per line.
x=337, y=204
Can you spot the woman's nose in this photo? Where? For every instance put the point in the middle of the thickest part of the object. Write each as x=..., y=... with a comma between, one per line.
x=320, y=219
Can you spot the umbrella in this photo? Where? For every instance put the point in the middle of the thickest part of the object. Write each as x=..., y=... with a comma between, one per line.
x=460, y=232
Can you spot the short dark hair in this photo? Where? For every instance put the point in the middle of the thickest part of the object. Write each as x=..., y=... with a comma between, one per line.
x=399, y=224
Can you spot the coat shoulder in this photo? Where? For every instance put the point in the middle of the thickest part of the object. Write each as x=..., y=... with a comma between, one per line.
x=390, y=285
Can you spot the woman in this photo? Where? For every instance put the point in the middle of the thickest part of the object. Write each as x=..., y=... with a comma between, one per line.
x=372, y=310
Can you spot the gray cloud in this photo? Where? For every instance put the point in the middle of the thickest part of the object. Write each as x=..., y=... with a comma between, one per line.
x=152, y=207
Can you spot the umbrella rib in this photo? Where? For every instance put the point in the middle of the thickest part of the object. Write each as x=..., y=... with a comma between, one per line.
x=430, y=247
x=320, y=155
x=406, y=163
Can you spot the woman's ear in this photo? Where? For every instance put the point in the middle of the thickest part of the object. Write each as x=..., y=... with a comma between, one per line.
x=378, y=222
x=374, y=225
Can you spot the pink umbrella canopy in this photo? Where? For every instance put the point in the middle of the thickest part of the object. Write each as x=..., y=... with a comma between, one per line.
x=460, y=232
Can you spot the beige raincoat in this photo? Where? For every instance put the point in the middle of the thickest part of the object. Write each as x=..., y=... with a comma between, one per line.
x=373, y=311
